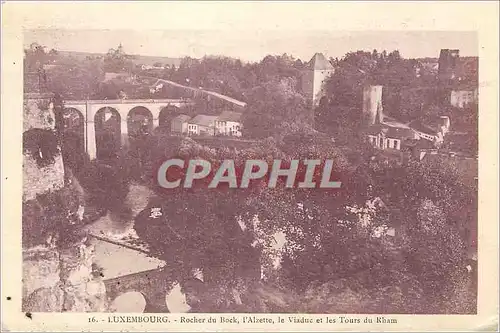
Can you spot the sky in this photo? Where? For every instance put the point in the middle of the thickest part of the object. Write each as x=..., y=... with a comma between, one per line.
x=253, y=45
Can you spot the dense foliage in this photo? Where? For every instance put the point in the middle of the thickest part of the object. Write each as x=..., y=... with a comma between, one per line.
x=393, y=239
x=51, y=219
x=42, y=145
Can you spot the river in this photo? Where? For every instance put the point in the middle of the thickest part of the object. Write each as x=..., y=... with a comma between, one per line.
x=116, y=260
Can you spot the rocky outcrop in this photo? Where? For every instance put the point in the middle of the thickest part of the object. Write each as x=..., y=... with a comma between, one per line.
x=39, y=180
x=38, y=112
x=59, y=280
x=38, y=262
x=39, y=117
x=83, y=290
x=46, y=299
x=58, y=272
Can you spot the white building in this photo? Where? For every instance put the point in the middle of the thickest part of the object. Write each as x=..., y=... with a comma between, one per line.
x=432, y=131
x=318, y=69
x=202, y=125
x=120, y=76
x=180, y=124
x=229, y=123
x=383, y=136
x=462, y=98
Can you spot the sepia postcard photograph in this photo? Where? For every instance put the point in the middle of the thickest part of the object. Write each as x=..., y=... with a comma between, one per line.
x=292, y=166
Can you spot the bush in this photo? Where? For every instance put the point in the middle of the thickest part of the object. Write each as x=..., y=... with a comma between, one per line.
x=42, y=145
x=50, y=217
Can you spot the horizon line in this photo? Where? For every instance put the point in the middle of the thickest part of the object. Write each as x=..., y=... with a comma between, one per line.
x=250, y=61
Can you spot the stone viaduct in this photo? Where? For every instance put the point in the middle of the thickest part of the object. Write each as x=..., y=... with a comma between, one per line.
x=90, y=116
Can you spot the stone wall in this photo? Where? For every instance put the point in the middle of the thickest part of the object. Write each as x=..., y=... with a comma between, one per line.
x=39, y=113
x=83, y=289
x=62, y=280
x=39, y=261
x=58, y=270
x=40, y=180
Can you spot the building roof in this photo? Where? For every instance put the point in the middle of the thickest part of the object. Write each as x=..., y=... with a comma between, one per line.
x=419, y=126
x=182, y=118
x=400, y=133
x=391, y=132
x=391, y=122
x=230, y=116
x=319, y=62
x=108, y=76
x=203, y=120
x=374, y=129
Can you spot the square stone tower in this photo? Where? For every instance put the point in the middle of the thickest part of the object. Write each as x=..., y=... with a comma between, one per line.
x=318, y=69
x=372, y=104
x=448, y=61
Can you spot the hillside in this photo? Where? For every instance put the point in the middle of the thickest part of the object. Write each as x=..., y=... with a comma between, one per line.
x=137, y=59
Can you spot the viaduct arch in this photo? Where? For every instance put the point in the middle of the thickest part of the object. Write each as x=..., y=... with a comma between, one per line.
x=154, y=286
x=114, y=121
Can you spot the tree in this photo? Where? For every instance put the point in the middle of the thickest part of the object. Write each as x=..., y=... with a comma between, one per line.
x=116, y=60
x=35, y=57
x=274, y=104
x=74, y=79
x=349, y=250
x=53, y=53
